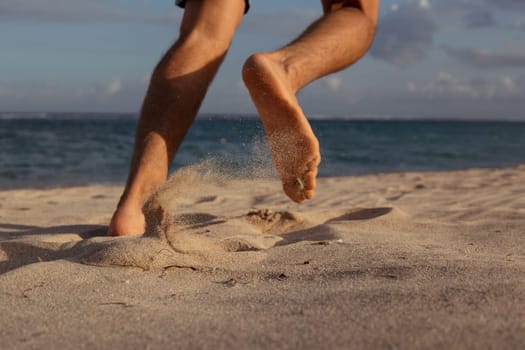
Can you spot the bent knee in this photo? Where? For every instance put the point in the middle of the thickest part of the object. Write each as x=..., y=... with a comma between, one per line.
x=370, y=8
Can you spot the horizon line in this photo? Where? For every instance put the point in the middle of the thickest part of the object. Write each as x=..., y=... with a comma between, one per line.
x=35, y=115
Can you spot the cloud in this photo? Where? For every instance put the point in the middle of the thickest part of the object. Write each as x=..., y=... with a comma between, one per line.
x=518, y=25
x=506, y=5
x=405, y=34
x=449, y=87
x=481, y=13
x=423, y=4
x=115, y=95
x=482, y=58
x=77, y=11
x=454, y=7
x=333, y=83
x=113, y=87
x=479, y=19
x=458, y=6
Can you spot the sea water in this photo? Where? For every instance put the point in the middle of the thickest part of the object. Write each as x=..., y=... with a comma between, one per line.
x=50, y=150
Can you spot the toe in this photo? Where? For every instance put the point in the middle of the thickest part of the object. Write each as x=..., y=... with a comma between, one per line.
x=294, y=190
x=309, y=180
x=308, y=194
x=309, y=185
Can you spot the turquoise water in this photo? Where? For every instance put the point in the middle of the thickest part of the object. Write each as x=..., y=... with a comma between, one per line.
x=51, y=150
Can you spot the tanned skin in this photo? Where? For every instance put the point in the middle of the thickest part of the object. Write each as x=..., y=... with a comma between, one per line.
x=180, y=81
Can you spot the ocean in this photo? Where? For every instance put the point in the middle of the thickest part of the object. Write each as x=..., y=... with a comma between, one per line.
x=54, y=150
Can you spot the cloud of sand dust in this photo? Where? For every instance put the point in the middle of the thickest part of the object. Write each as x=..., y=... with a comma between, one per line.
x=163, y=246
x=254, y=164
x=185, y=182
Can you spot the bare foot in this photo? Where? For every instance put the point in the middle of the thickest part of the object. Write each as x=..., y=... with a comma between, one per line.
x=295, y=149
x=127, y=221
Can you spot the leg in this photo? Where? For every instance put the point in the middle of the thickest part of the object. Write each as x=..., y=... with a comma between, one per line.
x=334, y=42
x=177, y=88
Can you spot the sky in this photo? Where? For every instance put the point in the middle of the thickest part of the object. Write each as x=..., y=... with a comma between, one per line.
x=451, y=59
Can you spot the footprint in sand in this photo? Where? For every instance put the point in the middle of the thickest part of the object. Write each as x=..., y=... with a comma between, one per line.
x=274, y=222
x=201, y=240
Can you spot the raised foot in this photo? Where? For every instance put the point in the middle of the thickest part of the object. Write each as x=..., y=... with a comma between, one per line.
x=127, y=222
x=294, y=147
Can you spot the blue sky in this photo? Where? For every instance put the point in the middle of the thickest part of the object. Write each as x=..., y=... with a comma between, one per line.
x=430, y=59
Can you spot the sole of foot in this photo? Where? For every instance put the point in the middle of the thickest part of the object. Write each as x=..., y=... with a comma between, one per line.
x=294, y=147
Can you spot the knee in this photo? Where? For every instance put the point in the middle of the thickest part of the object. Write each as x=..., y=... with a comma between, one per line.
x=204, y=41
x=370, y=8
x=195, y=48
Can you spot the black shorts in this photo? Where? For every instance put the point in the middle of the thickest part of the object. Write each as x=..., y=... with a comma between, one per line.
x=181, y=3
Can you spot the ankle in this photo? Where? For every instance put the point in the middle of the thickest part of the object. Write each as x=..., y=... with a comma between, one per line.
x=130, y=202
x=294, y=72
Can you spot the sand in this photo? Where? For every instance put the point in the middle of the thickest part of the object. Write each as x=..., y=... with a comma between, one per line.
x=408, y=260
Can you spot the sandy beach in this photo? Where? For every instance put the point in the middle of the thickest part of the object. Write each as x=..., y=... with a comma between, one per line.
x=386, y=261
